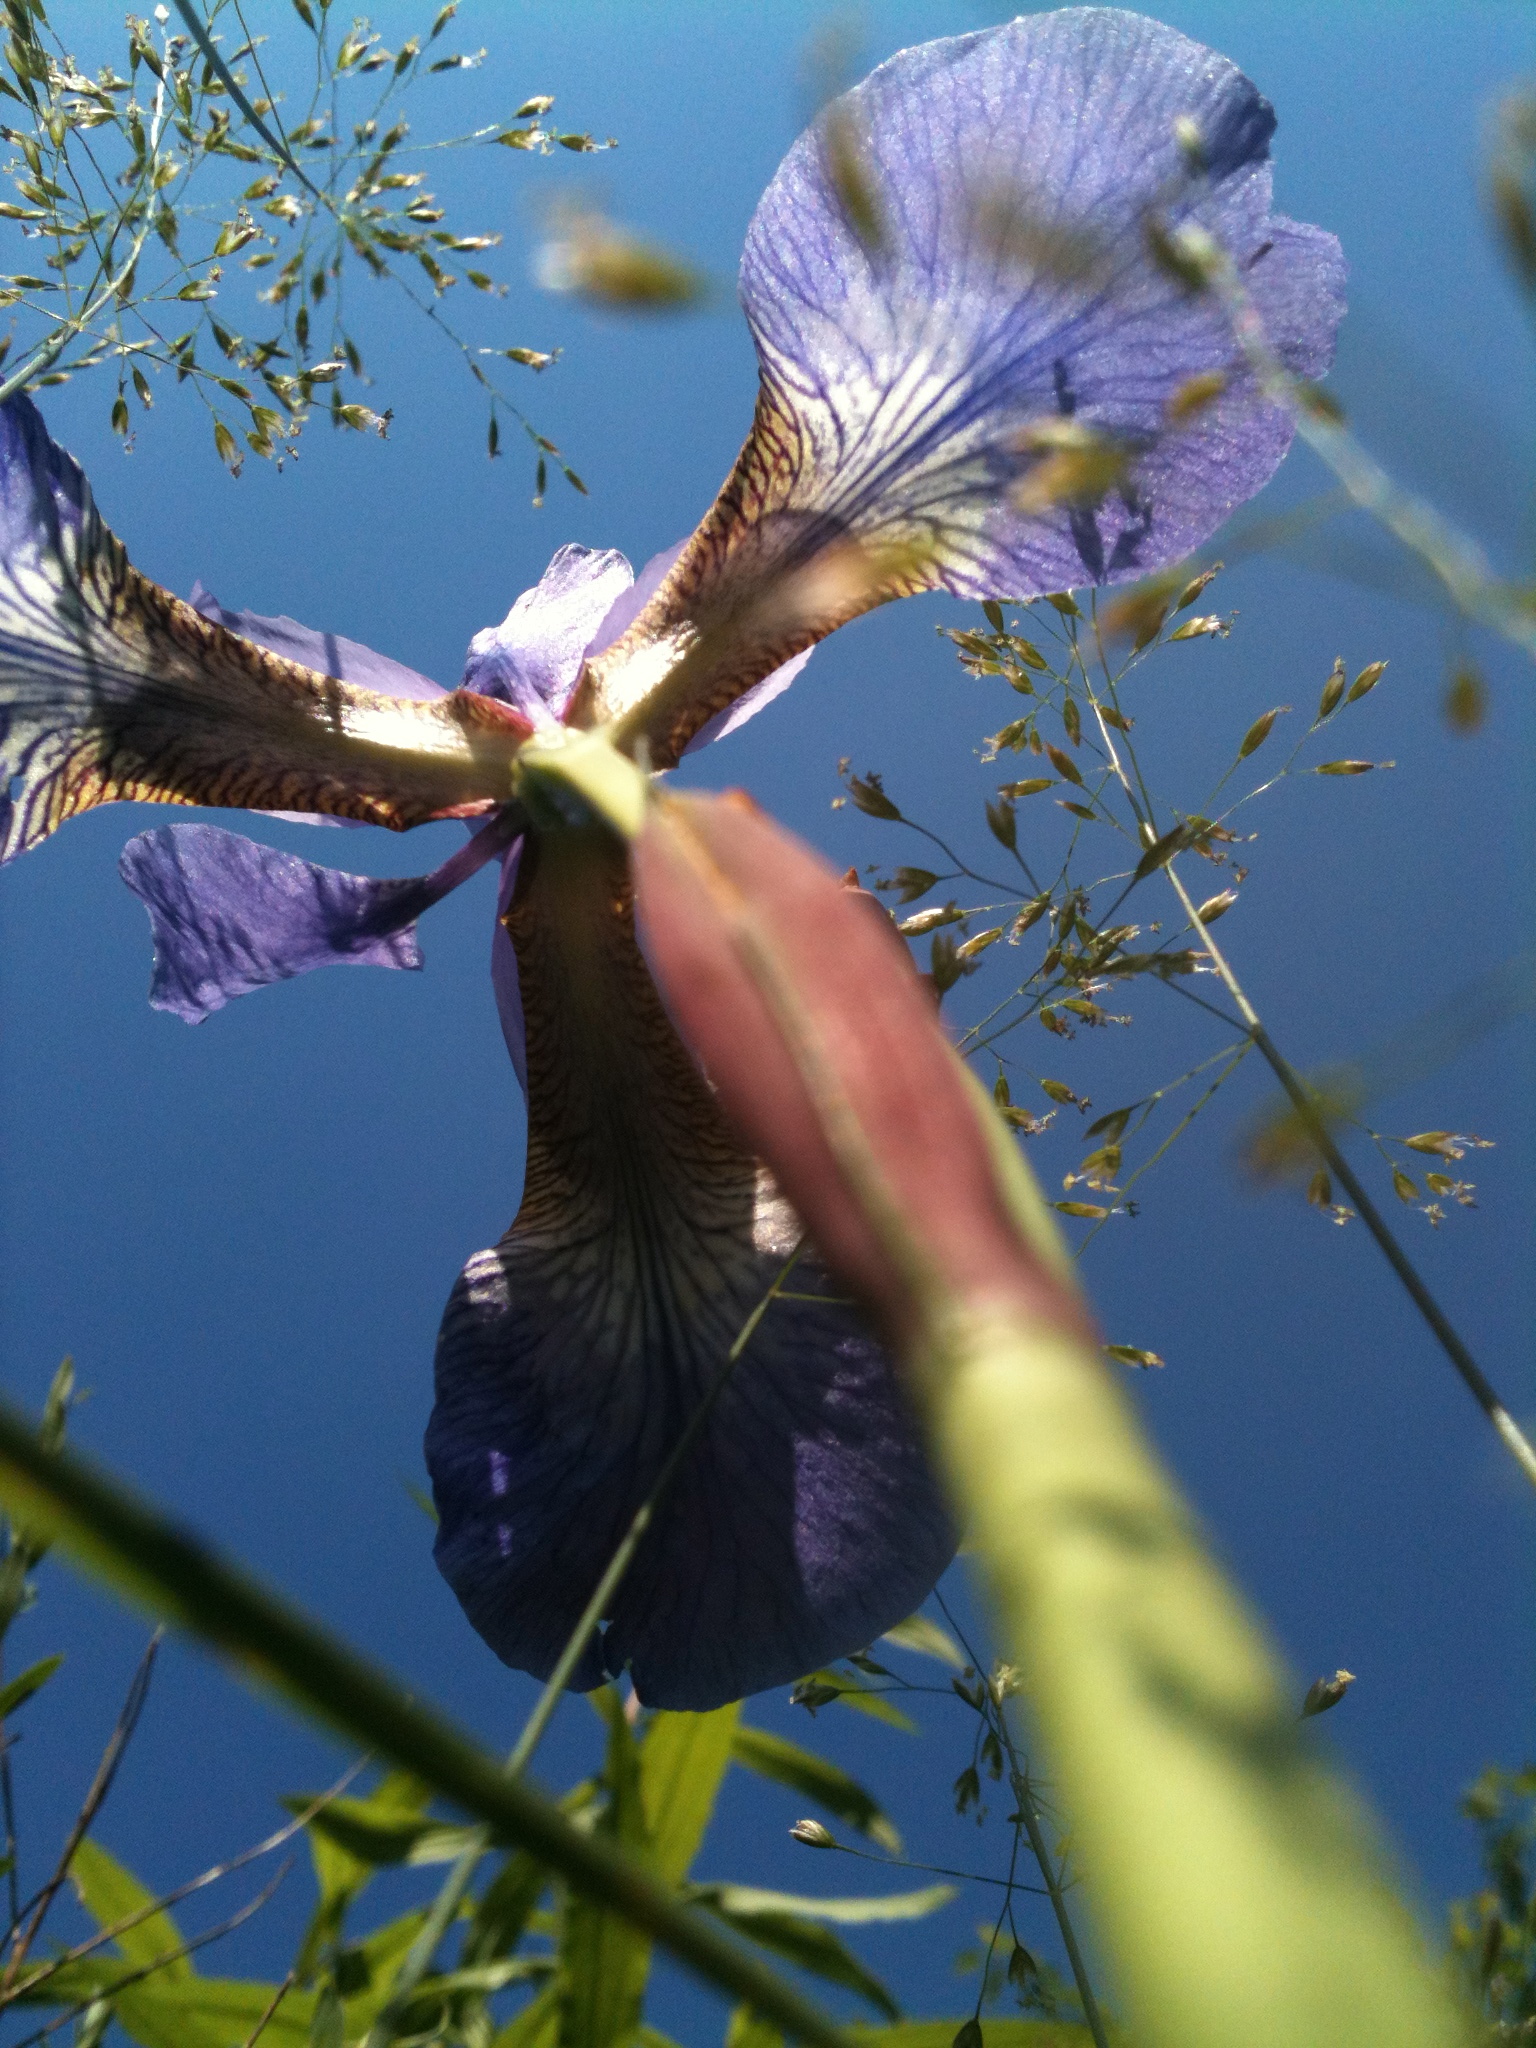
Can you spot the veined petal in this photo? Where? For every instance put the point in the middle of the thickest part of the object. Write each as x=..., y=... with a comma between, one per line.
x=627, y=607
x=229, y=915
x=953, y=265
x=329, y=654
x=532, y=659
x=573, y=1354
x=111, y=689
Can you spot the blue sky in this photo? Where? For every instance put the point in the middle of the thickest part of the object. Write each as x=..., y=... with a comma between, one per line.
x=245, y=1233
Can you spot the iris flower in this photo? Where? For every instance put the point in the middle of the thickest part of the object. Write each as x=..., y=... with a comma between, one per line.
x=958, y=274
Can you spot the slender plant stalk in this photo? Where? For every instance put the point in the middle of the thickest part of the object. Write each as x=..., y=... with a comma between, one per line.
x=1029, y=1815
x=418, y=1958
x=1481, y=1387
x=1482, y=1390
x=47, y=353
x=101, y=1785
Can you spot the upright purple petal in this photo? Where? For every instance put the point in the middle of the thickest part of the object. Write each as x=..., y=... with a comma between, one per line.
x=1015, y=174
x=956, y=263
x=230, y=916
x=532, y=659
x=632, y=600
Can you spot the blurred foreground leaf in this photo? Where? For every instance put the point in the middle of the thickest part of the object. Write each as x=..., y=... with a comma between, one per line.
x=148, y=1559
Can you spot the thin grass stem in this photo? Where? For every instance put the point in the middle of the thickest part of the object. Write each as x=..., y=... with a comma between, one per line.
x=1480, y=1386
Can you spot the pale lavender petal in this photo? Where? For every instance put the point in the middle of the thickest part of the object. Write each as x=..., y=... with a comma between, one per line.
x=758, y=698
x=329, y=654
x=533, y=658
x=229, y=915
x=629, y=604
x=1013, y=172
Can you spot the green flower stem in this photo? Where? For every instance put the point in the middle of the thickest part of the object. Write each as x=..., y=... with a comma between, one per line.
x=1237, y=1888
x=123, y=1540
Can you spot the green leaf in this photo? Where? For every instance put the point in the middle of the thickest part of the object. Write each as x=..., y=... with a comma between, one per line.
x=743, y=1901
x=503, y=1909
x=328, y=2028
x=748, y=2030
x=786, y=1763
x=75, y=1983
x=110, y=1893
x=375, y=1833
x=809, y=1947
x=212, y=2012
x=683, y=1760
x=32, y=1680
x=536, y=2026
x=368, y=1971
x=604, y=1960
x=925, y=1638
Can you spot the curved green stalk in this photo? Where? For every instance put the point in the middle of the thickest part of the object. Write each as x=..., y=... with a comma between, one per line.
x=120, y=1538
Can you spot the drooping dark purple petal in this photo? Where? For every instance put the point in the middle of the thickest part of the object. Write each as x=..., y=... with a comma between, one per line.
x=532, y=659
x=954, y=264
x=573, y=1354
x=229, y=915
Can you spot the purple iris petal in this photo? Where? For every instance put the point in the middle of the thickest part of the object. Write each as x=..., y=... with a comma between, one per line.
x=1012, y=175
x=230, y=916
x=533, y=658
x=328, y=653
x=805, y=1522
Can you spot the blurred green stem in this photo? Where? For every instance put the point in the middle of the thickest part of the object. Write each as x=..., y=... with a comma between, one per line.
x=1239, y=1889
x=146, y=1557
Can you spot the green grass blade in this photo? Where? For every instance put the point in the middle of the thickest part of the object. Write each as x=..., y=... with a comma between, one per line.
x=144, y=1556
